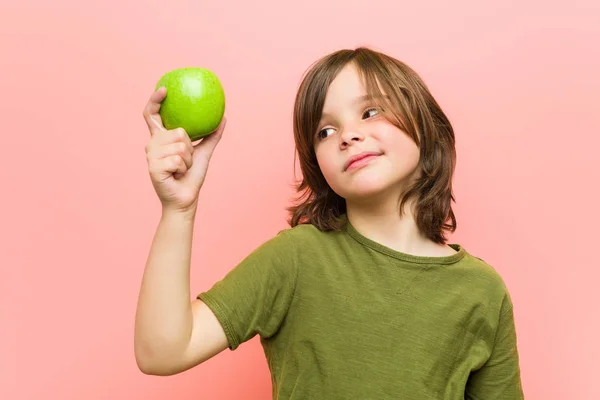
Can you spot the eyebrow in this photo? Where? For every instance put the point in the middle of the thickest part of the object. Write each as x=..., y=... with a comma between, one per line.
x=358, y=100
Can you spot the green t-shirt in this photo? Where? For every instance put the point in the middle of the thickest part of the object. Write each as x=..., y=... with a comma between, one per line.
x=343, y=317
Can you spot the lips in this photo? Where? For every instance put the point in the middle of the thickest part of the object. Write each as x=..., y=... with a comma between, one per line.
x=359, y=157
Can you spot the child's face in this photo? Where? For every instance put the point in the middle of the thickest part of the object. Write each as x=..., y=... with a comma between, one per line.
x=351, y=126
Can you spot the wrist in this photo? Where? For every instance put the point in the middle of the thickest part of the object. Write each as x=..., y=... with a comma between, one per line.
x=183, y=215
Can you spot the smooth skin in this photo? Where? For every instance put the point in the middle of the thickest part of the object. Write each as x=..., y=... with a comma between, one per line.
x=172, y=333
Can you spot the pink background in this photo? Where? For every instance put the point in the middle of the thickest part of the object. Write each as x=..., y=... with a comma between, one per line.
x=519, y=80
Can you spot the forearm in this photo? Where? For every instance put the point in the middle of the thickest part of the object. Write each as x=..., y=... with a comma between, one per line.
x=163, y=323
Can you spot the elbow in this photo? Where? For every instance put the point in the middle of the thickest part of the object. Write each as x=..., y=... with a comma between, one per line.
x=153, y=371
x=146, y=367
x=153, y=368
x=152, y=364
x=148, y=363
x=145, y=364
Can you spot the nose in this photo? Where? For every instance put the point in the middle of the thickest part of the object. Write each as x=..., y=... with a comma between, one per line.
x=350, y=136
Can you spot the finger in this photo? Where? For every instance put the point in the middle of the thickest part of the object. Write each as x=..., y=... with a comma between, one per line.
x=151, y=111
x=164, y=138
x=172, y=165
x=173, y=136
x=175, y=149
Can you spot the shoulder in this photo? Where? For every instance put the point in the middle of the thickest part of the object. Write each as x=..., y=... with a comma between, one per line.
x=485, y=280
x=481, y=271
x=289, y=243
x=289, y=238
x=306, y=243
x=305, y=235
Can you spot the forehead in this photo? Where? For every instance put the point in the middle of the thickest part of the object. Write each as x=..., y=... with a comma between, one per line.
x=345, y=88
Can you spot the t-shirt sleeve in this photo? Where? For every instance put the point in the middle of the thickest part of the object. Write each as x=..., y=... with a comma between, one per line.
x=499, y=378
x=253, y=298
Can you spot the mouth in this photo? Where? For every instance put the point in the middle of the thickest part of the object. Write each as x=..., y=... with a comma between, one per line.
x=360, y=160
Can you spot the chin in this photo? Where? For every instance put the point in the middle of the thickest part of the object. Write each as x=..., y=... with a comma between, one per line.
x=363, y=189
x=372, y=186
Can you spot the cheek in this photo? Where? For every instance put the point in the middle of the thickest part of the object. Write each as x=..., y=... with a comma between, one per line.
x=404, y=149
x=327, y=165
x=408, y=151
x=407, y=162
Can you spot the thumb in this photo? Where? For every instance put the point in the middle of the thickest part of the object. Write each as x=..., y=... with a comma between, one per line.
x=207, y=146
x=204, y=150
x=212, y=139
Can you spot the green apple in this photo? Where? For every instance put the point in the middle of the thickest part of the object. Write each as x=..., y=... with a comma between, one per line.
x=195, y=101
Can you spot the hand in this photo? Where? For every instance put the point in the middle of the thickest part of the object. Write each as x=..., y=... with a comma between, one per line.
x=177, y=167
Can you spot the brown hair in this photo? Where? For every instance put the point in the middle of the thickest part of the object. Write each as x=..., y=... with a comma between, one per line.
x=409, y=106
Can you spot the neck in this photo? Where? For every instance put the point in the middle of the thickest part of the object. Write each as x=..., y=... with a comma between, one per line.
x=382, y=223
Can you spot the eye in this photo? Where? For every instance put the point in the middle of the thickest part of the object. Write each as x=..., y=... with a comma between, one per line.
x=371, y=112
x=323, y=133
